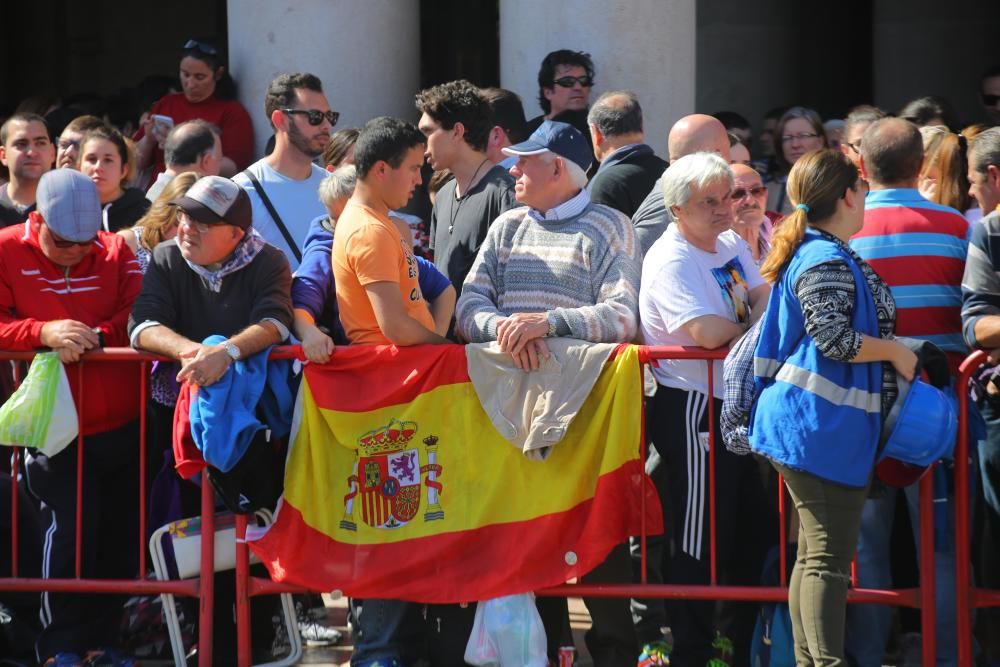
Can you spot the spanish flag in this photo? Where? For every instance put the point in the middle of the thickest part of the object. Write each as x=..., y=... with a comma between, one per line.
x=397, y=484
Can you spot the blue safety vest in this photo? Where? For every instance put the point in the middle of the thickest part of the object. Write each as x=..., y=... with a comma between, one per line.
x=813, y=413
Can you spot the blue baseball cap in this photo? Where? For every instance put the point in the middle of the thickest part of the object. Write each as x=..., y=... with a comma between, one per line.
x=69, y=203
x=554, y=137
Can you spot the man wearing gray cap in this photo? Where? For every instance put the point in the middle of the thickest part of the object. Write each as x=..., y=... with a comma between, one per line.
x=68, y=286
x=216, y=259
x=559, y=266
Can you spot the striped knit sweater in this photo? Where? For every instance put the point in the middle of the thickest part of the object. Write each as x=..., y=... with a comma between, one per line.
x=584, y=270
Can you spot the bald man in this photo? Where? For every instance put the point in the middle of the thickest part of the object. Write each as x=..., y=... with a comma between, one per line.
x=192, y=146
x=628, y=165
x=690, y=134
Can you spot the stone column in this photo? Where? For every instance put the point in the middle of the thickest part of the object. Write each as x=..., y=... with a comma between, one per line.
x=647, y=46
x=366, y=53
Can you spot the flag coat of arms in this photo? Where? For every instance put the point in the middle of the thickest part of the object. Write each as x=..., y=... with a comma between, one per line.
x=397, y=484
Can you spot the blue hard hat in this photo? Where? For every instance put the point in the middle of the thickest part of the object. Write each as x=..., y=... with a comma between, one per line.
x=925, y=425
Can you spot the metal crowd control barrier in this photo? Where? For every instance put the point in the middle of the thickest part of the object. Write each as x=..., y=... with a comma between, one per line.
x=967, y=596
x=921, y=598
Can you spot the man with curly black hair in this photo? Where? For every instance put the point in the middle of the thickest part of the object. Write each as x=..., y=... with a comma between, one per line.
x=456, y=119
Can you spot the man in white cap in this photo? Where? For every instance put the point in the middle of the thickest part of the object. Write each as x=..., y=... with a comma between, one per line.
x=68, y=286
x=217, y=258
x=559, y=266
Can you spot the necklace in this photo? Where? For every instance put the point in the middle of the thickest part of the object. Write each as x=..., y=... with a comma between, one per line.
x=455, y=209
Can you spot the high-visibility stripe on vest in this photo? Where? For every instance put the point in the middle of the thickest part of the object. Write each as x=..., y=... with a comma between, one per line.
x=814, y=413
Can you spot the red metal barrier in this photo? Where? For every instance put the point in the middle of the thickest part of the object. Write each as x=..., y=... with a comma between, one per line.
x=247, y=587
x=921, y=598
x=967, y=596
x=200, y=588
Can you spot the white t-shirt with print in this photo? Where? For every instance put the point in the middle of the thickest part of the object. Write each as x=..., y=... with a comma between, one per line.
x=680, y=283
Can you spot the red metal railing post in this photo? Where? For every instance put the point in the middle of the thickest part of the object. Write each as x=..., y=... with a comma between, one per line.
x=928, y=598
x=15, y=461
x=243, y=648
x=206, y=589
x=713, y=557
x=142, y=467
x=963, y=546
x=782, y=533
x=79, y=471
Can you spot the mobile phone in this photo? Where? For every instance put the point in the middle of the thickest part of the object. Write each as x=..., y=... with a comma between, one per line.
x=165, y=122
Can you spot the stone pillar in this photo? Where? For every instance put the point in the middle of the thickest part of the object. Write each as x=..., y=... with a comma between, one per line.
x=647, y=46
x=366, y=53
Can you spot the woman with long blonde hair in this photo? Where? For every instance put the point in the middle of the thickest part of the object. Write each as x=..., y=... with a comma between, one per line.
x=160, y=222
x=825, y=374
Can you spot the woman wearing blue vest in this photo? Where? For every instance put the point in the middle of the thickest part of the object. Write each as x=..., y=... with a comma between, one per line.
x=825, y=374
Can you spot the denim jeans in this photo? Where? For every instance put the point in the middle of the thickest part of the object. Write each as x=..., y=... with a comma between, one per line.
x=387, y=633
x=868, y=625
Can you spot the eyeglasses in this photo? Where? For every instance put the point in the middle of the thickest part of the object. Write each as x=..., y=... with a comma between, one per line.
x=570, y=81
x=990, y=100
x=66, y=144
x=195, y=45
x=185, y=219
x=856, y=147
x=60, y=242
x=316, y=116
x=788, y=138
x=740, y=193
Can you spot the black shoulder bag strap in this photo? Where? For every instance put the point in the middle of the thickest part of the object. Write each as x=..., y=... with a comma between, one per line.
x=274, y=214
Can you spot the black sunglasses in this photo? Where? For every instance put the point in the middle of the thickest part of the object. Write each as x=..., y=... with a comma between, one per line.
x=990, y=100
x=195, y=45
x=570, y=81
x=740, y=193
x=315, y=116
x=60, y=242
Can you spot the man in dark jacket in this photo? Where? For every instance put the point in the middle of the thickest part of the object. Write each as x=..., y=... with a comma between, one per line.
x=629, y=168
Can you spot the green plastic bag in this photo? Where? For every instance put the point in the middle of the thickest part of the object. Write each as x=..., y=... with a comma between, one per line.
x=41, y=413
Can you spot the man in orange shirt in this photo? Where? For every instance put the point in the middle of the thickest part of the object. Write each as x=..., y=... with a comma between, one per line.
x=373, y=265
x=380, y=304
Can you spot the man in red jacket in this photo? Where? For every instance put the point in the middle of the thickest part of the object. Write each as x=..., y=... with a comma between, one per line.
x=68, y=286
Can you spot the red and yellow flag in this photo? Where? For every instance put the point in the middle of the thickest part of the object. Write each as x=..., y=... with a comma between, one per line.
x=398, y=486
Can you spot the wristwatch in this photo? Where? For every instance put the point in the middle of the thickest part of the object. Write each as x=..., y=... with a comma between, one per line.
x=552, y=327
x=231, y=350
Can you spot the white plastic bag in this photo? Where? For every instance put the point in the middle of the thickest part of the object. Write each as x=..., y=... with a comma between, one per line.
x=41, y=413
x=507, y=632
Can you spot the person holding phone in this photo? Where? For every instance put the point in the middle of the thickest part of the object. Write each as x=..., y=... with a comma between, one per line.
x=208, y=93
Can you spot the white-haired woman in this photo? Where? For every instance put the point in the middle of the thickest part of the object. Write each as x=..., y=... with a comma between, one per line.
x=700, y=287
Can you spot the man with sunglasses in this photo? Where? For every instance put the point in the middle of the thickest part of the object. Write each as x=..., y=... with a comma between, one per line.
x=284, y=186
x=27, y=152
x=750, y=221
x=68, y=286
x=628, y=165
x=989, y=94
x=565, y=80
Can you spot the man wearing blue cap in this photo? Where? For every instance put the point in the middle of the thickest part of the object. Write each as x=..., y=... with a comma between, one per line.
x=559, y=266
x=68, y=286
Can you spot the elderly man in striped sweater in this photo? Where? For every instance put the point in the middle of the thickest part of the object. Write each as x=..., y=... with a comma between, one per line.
x=563, y=266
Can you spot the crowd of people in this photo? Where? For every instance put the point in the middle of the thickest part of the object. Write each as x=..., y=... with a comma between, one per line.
x=824, y=241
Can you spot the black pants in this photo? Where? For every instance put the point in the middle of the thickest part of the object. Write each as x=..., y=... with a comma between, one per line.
x=746, y=525
x=109, y=548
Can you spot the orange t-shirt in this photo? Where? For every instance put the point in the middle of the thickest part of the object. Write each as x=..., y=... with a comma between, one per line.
x=367, y=248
